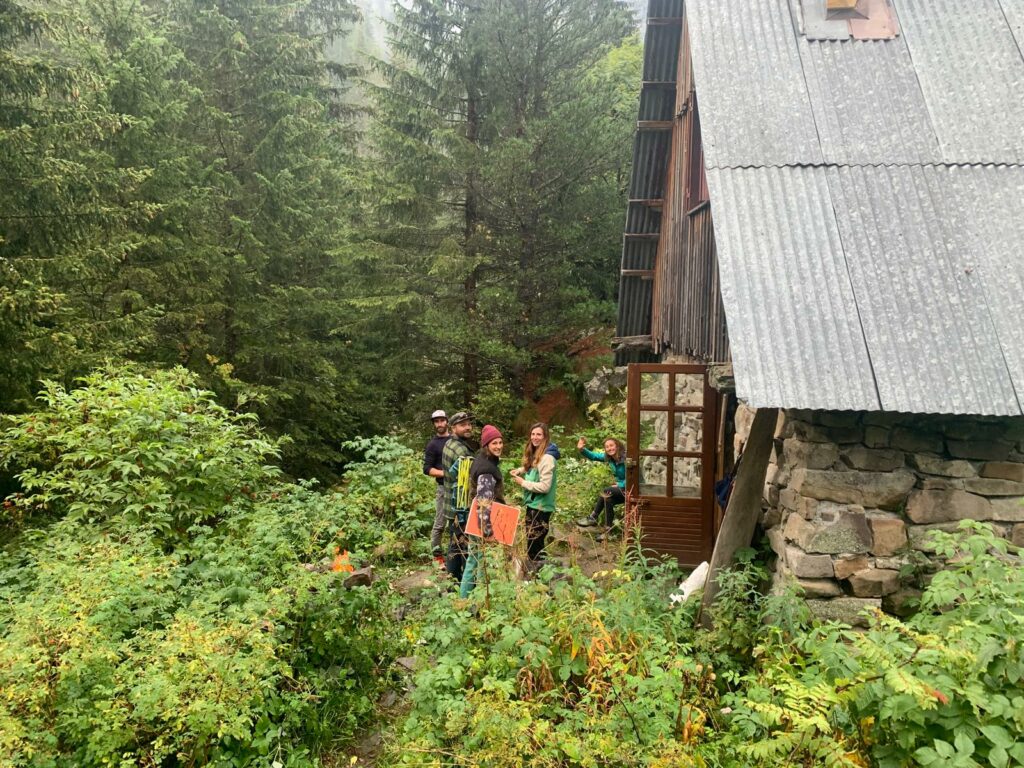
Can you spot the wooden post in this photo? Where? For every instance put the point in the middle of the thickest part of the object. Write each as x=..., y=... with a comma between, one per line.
x=744, y=504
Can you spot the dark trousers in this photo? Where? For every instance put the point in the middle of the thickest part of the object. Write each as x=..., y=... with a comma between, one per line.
x=609, y=497
x=537, y=525
x=458, y=547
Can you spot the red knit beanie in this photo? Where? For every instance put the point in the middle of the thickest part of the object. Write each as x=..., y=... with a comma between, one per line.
x=489, y=433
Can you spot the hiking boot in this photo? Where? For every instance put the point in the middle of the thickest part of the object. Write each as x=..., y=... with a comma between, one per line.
x=587, y=522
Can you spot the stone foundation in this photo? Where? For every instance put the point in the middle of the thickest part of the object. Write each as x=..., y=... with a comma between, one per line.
x=850, y=495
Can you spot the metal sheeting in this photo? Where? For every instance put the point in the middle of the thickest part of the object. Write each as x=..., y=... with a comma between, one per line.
x=972, y=76
x=793, y=326
x=1013, y=10
x=755, y=110
x=867, y=102
x=930, y=338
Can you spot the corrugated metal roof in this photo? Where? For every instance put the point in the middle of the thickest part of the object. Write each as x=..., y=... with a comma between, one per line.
x=793, y=326
x=972, y=75
x=1014, y=12
x=754, y=106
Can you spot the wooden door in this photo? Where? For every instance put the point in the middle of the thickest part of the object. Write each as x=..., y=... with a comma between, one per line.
x=670, y=448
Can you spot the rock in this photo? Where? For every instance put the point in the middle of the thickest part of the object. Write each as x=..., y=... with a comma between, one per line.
x=801, y=430
x=915, y=441
x=777, y=541
x=835, y=418
x=872, y=459
x=1017, y=535
x=849, y=533
x=903, y=602
x=849, y=610
x=979, y=449
x=971, y=428
x=936, y=465
x=845, y=435
x=1003, y=470
x=940, y=484
x=1008, y=510
x=408, y=663
x=892, y=563
x=814, y=588
x=885, y=490
x=883, y=419
x=888, y=534
x=917, y=535
x=874, y=582
x=788, y=499
x=771, y=517
x=771, y=495
x=798, y=453
x=847, y=566
x=876, y=437
x=721, y=377
x=991, y=486
x=925, y=507
x=807, y=566
x=603, y=382
x=798, y=530
x=363, y=577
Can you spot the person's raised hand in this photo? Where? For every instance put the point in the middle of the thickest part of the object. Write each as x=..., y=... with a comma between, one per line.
x=581, y=443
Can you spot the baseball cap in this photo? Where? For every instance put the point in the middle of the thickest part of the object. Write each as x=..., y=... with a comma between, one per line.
x=438, y=414
x=460, y=417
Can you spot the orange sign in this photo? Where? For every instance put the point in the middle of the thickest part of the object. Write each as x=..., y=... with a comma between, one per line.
x=504, y=521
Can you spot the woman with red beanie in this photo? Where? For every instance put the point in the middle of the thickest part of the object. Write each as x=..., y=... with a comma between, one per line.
x=487, y=486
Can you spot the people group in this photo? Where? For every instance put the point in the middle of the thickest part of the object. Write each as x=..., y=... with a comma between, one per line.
x=466, y=470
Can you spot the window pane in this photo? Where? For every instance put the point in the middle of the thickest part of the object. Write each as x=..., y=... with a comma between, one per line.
x=688, y=431
x=689, y=389
x=653, y=475
x=653, y=430
x=686, y=477
x=654, y=389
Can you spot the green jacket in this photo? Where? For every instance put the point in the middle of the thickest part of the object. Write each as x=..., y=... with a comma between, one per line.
x=541, y=482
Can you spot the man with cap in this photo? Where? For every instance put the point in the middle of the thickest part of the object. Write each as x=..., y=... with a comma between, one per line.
x=432, y=467
x=459, y=446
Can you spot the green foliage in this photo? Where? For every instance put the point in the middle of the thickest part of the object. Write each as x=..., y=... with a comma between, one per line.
x=223, y=644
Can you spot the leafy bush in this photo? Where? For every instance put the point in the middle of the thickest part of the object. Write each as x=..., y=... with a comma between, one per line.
x=174, y=613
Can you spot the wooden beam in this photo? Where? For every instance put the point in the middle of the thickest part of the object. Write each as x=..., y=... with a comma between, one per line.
x=632, y=342
x=657, y=203
x=654, y=125
x=744, y=504
x=643, y=274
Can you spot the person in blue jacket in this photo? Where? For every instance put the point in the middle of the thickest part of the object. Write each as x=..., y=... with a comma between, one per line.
x=614, y=455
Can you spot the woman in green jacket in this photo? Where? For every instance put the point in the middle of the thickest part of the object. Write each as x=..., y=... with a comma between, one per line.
x=614, y=455
x=538, y=477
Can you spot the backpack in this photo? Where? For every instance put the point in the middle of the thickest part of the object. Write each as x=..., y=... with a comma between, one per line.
x=460, y=491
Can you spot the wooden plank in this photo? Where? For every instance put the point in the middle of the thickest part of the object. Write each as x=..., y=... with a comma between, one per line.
x=744, y=504
x=654, y=125
x=655, y=203
x=643, y=274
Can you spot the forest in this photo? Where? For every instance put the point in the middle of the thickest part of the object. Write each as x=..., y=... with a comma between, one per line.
x=245, y=250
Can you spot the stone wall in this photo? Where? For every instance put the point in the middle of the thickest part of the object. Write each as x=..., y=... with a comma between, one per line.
x=849, y=496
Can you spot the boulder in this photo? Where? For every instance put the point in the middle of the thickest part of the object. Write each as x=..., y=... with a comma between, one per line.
x=1003, y=470
x=845, y=567
x=888, y=534
x=363, y=577
x=991, y=486
x=798, y=453
x=848, y=533
x=806, y=566
x=872, y=459
x=926, y=507
x=874, y=582
x=903, y=602
x=849, y=610
x=931, y=464
x=885, y=490
x=798, y=530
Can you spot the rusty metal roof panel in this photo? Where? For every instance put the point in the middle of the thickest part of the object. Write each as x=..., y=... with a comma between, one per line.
x=754, y=106
x=867, y=103
x=793, y=325
x=972, y=76
x=925, y=317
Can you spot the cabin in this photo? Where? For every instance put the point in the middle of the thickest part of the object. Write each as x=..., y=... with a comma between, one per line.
x=826, y=229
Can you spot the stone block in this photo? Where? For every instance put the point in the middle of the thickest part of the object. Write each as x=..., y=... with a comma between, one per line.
x=844, y=567
x=1008, y=510
x=885, y=490
x=771, y=495
x=848, y=533
x=788, y=499
x=835, y=418
x=979, y=449
x=848, y=610
x=915, y=440
x=777, y=541
x=903, y=602
x=798, y=530
x=888, y=534
x=874, y=582
x=876, y=437
x=1017, y=535
x=971, y=428
x=805, y=566
x=811, y=433
x=798, y=453
x=991, y=486
x=918, y=535
x=926, y=507
x=892, y=563
x=1003, y=470
x=818, y=588
x=845, y=435
x=771, y=517
x=939, y=484
x=872, y=459
x=883, y=418
x=931, y=464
